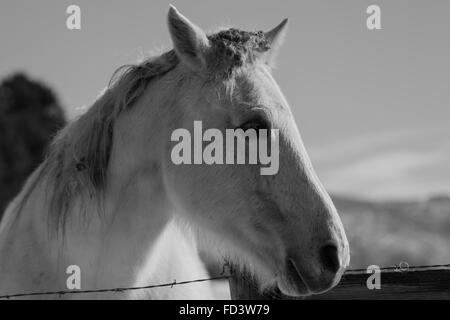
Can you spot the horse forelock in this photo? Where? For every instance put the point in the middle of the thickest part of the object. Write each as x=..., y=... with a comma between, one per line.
x=232, y=48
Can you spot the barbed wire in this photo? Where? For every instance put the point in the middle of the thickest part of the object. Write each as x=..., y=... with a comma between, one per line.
x=113, y=290
x=404, y=267
x=226, y=274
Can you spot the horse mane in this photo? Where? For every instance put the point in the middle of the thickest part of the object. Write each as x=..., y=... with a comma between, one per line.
x=77, y=160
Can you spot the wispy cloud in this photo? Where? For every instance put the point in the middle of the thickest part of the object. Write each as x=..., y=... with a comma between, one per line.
x=401, y=164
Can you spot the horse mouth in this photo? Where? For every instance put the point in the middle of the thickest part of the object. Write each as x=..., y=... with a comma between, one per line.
x=291, y=282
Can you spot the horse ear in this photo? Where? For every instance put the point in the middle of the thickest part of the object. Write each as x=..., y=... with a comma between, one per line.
x=275, y=37
x=189, y=41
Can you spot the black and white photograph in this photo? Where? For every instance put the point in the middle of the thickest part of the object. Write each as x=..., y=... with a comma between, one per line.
x=236, y=150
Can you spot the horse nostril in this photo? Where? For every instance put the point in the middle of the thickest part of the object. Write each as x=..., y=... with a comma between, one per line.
x=330, y=258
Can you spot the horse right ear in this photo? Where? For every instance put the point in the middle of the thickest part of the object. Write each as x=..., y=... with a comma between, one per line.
x=275, y=37
x=189, y=41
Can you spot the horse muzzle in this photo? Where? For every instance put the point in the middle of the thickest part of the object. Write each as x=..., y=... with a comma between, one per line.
x=303, y=278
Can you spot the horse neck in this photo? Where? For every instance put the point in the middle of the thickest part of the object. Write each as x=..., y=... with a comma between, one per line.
x=113, y=248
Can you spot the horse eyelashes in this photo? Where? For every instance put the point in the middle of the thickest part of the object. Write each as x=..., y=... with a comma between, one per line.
x=257, y=124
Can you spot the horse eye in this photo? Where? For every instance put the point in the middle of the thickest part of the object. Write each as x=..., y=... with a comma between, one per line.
x=256, y=124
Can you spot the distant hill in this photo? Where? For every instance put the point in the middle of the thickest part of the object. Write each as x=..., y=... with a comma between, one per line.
x=386, y=233
x=30, y=114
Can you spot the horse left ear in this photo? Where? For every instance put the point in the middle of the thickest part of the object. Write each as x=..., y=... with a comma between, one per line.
x=189, y=41
x=275, y=37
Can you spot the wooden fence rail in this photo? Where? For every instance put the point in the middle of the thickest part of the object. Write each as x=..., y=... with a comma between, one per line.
x=413, y=283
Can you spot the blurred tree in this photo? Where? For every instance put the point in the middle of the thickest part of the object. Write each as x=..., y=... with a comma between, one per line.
x=30, y=115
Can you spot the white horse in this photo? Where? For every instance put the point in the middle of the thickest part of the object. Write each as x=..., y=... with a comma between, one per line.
x=109, y=199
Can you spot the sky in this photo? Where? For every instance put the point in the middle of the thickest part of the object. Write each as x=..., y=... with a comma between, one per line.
x=373, y=106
